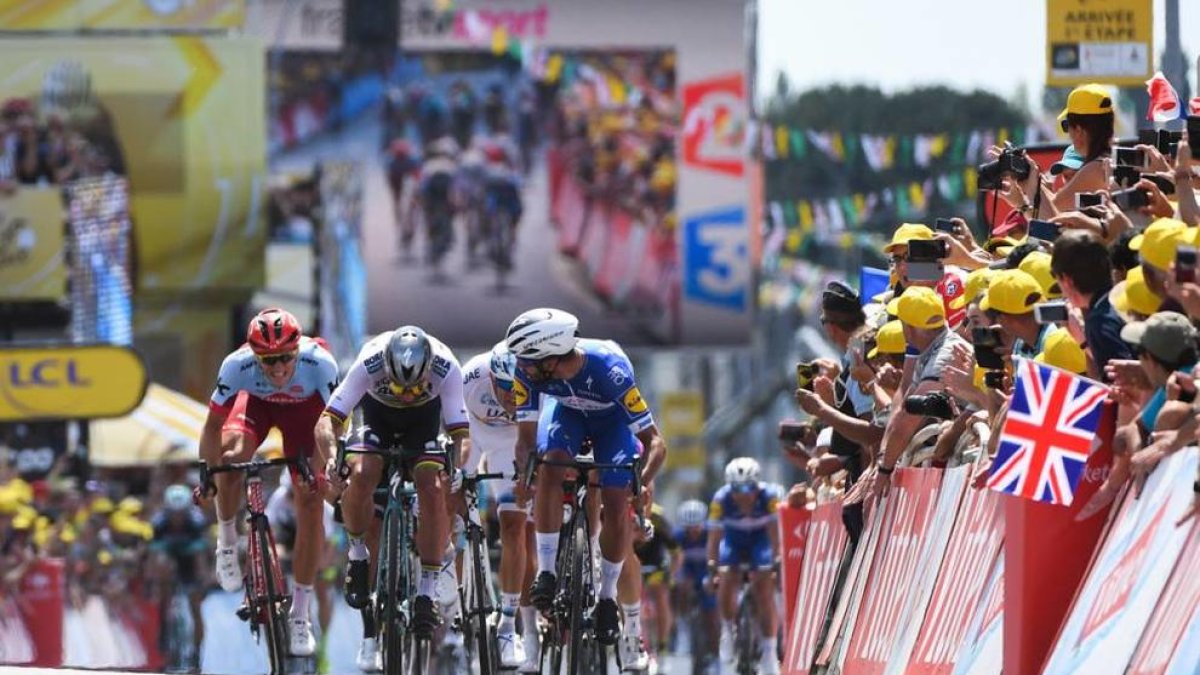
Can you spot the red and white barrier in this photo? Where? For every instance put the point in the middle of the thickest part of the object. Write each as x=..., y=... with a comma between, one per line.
x=982, y=650
x=572, y=216
x=1171, y=641
x=793, y=533
x=1127, y=579
x=824, y=548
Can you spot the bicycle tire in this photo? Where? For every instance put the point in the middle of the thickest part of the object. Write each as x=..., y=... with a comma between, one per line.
x=418, y=648
x=578, y=543
x=277, y=647
x=745, y=637
x=479, y=608
x=388, y=620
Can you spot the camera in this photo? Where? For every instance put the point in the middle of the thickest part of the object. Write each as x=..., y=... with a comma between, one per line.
x=986, y=342
x=1126, y=176
x=1044, y=230
x=1135, y=157
x=1166, y=142
x=994, y=379
x=1164, y=184
x=1193, y=129
x=1185, y=264
x=944, y=225
x=927, y=250
x=1011, y=161
x=936, y=404
x=1054, y=311
x=806, y=372
x=1084, y=200
x=1131, y=198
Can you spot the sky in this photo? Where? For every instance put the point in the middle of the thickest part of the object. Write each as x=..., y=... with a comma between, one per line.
x=897, y=44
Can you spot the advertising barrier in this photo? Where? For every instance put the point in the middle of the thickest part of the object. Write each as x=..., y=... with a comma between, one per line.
x=37, y=15
x=70, y=382
x=31, y=245
x=1171, y=642
x=41, y=601
x=824, y=550
x=793, y=532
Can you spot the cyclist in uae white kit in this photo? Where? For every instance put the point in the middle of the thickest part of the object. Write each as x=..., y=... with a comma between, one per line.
x=491, y=408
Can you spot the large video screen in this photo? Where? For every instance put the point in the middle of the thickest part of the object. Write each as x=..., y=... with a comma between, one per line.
x=494, y=184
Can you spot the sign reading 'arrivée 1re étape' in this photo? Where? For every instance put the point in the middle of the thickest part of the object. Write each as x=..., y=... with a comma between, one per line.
x=1106, y=41
x=69, y=382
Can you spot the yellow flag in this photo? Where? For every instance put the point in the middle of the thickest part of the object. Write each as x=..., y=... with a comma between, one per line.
x=499, y=40
x=781, y=141
x=917, y=196
x=839, y=147
x=969, y=180
x=938, y=147
x=805, y=213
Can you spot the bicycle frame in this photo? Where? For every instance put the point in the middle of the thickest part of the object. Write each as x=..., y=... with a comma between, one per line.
x=476, y=591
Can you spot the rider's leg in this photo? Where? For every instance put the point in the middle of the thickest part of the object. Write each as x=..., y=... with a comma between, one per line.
x=727, y=590
x=761, y=581
x=358, y=504
x=195, y=602
x=548, y=510
x=310, y=540
x=629, y=592
x=512, y=565
x=614, y=539
x=433, y=533
x=236, y=446
x=660, y=597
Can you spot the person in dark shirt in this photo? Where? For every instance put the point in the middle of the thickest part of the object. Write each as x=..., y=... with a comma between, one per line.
x=180, y=541
x=1082, y=266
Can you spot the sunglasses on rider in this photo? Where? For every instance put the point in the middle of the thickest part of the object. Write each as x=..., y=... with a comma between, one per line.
x=504, y=385
x=277, y=358
x=407, y=392
x=744, y=488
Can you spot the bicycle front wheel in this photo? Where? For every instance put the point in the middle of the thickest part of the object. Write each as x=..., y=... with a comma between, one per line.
x=277, y=637
x=387, y=587
x=480, y=607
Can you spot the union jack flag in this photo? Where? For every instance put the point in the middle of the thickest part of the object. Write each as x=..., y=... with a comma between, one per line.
x=1047, y=434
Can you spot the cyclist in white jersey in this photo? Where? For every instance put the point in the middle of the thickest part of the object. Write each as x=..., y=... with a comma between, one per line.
x=409, y=386
x=281, y=379
x=491, y=408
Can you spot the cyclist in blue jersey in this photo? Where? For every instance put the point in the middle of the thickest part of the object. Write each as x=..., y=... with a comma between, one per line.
x=743, y=531
x=598, y=399
x=693, y=594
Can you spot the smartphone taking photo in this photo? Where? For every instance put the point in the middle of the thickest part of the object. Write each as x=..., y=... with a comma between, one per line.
x=1085, y=200
x=1044, y=230
x=1124, y=156
x=1054, y=311
x=806, y=372
x=1185, y=264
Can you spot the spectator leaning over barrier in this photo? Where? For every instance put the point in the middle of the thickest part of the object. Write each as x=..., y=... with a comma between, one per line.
x=1166, y=348
x=1133, y=298
x=1081, y=265
x=1010, y=299
x=840, y=403
x=931, y=346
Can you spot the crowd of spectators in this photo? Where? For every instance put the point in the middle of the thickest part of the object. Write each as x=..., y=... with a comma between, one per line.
x=616, y=119
x=52, y=145
x=1092, y=272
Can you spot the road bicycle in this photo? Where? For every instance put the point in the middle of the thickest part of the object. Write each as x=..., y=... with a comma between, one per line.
x=746, y=646
x=476, y=592
x=268, y=600
x=569, y=635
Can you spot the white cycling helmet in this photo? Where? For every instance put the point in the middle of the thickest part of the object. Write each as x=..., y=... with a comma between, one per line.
x=177, y=498
x=693, y=512
x=503, y=364
x=742, y=470
x=542, y=332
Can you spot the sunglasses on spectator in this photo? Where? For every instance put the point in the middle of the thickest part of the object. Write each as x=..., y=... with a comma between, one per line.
x=277, y=358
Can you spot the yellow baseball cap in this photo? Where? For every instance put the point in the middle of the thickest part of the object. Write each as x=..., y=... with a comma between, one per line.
x=1037, y=265
x=889, y=340
x=906, y=233
x=1088, y=99
x=977, y=283
x=1158, y=242
x=919, y=307
x=1012, y=292
x=1133, y=295
x=1062, y=351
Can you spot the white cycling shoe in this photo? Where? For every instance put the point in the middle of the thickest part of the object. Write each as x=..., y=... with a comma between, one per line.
x=369, y=658
x=768, y=664
x=229, y=569
x=512, y=651
x=725, y=649
x=633, y=654
x=302, y=641
x=533, y=651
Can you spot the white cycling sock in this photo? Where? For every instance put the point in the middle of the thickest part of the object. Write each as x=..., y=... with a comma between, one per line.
x=508, y=613
x=633, y=619
x=301, y=593
x=358, y=549
x=547, y=551
x=227, y=533
x=768, y=646
x=609, y=573
x=529, y=622
x=429, y=579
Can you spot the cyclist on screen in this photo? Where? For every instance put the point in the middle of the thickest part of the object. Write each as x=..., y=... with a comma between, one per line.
x=694, y=596
x=409, y=385
x=743, y=530
x=180, y=537
x=598, y=399
x=488, y=389
x=281, y=379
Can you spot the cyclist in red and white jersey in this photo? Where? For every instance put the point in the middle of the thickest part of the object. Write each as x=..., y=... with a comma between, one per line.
x=281, y=379
x=409, y=386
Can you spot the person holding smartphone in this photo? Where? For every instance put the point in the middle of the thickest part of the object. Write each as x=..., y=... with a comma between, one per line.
x=1011, y=298
x=1081, y=265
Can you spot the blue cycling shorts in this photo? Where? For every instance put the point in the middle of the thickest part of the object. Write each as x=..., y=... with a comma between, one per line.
x=753, y=550
x=613, y=442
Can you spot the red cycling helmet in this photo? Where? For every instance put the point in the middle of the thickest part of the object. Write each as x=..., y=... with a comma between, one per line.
x=495, y=153
x=273, y=331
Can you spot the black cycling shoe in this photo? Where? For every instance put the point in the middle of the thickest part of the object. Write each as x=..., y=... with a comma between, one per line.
x=425, y=618
x=608, y=622
x=357, y=593
x=542, y=593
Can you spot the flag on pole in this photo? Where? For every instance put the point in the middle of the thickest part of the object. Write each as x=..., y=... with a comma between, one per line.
x=1047, y=434
x=1164, y=102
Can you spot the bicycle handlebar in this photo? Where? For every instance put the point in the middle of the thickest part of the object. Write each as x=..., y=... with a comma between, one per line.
x=343, y=469
x=253, y=466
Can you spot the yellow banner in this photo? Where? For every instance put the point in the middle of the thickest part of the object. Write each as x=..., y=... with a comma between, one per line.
x=120, y=14
x=680, y=418
x=183, y=118
x=1105, y=41
x=31, y=245
x=70, y=382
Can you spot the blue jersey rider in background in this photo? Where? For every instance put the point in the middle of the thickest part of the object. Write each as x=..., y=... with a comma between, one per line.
x=743, y=533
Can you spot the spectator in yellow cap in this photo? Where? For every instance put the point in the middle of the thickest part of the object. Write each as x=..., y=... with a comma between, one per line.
x=1082, y=266
x=931, y=347
x=1062, y=351
x=889, y=340
x=1088, y=121
x=1010, y=299
x=1133, y=298
x=1157, y=246
x=897, y=250
x=1037, y=265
